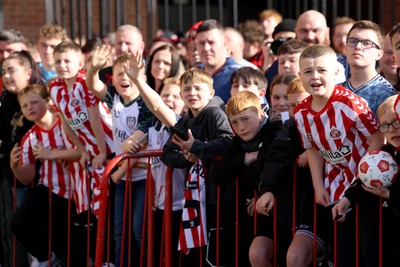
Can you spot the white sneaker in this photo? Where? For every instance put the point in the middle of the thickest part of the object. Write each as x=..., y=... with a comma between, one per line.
x=34, y=261
x=55, y=262
x=106, y=264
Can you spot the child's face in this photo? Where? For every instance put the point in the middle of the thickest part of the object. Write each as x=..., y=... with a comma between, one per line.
x=240, y=85
x=33, y=106
x=245, y=123
x=360, y=56
x=294, y=99
x=318, y=75
x=45, y=47
x=171, y=95
x=393, y=134
x=161, y=66
x=196, y=96
x=15, y=76
x=124, y=86
x=289, y=63
x=68, y=64
x=279, y=100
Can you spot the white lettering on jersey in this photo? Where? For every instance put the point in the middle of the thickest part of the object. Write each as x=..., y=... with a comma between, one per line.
x=335, y=157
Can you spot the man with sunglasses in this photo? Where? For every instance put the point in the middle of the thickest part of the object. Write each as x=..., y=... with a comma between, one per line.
x=363, y=49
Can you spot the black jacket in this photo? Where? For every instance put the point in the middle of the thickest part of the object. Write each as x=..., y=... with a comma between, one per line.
x=13, y=126
x=277, y=177
x=212, y=132
x=231, y=164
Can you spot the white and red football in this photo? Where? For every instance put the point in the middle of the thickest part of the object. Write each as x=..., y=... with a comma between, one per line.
x=377, y=168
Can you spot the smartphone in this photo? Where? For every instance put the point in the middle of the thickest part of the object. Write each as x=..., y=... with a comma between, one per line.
x=343, y=213
x=143, y=139
x=181, y=134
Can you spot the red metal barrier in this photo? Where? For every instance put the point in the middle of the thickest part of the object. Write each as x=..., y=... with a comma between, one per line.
x=167, y=234
x=101, y=224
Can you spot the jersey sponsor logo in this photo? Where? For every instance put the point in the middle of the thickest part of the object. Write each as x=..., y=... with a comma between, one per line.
x=75, y=102
x=335, y=157
x=77, y=122
x=131, y=122
x=155, y=160
x=121, y=135
x=335, y=133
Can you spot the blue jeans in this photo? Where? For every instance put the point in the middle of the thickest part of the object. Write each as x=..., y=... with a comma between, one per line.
x=138, y=200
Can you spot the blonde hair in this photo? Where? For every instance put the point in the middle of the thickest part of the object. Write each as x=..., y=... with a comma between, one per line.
x=242, y=101
x=295, y=87
x=196, y=75
x=171, y=80
x=67, y=46
x=318, y=50
x=387, y=104
x=53, y=31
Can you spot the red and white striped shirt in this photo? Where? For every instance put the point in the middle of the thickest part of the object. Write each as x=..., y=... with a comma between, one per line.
x=73, y=105
x=53, y=174
x=339, y=133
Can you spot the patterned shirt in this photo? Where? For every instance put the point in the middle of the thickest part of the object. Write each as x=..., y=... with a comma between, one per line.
x=73, y=104
x=158, y=136
x=338, y=132
x=374, y=91
x=126, y=119
x=53, y=173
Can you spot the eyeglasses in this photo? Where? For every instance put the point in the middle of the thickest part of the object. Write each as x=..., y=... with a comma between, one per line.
x=384, y=128
x=366, y=44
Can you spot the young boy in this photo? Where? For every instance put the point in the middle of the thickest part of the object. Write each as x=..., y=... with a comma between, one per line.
x=249, y=79
x=337, y=128
x=244, y=158
x=50, y=35
x=131, y=121
x=278, y=181
x=167, y=107
x=87, y=123
x=390, y=128
x=208, y=133
x=47, y=143
x=364, y=48
x=288, y=56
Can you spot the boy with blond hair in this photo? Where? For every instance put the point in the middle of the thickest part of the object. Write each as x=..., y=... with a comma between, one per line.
x=365, y=42
x=205, y=135
x=85, y=121
x=50, y=35
x=244, y=158
x=337, y=128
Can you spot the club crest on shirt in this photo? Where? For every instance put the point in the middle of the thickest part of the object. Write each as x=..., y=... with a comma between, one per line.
x=75, y=102
x=131, y=122
x=335, y=133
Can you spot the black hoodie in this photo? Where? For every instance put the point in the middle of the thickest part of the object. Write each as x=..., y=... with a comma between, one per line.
x=212, y=133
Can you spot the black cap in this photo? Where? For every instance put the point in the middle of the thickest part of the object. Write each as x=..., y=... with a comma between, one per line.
x=287, y=25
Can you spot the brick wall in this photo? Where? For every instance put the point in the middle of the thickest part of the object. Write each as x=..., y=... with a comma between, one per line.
x=28, y=16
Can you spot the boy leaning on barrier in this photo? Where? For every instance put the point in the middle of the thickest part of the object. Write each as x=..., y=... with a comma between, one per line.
x=45, y=142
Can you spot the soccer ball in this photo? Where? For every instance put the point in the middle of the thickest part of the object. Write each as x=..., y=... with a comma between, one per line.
x=377, y=168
